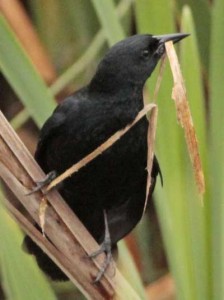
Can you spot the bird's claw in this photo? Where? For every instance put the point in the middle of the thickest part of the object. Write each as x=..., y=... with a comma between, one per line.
x=104, y=267
x=104, y=248
x=41, y=184
x=107, y=260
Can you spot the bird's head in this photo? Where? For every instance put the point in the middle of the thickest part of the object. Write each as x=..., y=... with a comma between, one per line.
x=133, y=59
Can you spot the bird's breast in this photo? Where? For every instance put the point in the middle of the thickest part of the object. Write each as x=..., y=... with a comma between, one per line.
x=114, y=175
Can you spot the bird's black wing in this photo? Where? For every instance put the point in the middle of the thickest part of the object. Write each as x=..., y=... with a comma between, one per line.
x=123, y=218
x=53, y=128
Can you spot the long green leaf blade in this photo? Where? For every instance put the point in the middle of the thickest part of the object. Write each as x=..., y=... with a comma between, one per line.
x=149, y=16
x=21, y=278
x=127, y=267
x=23, y=77
x=217, y=146
x=199, y=217
x=177, y=203
x=202, y=18
x=109, y=20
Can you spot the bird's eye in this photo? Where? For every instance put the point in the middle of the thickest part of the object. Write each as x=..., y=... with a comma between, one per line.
x=145, y=53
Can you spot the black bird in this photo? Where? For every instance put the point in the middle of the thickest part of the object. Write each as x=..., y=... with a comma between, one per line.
x=108, y=193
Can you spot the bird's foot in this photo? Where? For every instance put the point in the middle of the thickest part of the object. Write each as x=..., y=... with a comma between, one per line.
x=104, y=248
x=43, y=183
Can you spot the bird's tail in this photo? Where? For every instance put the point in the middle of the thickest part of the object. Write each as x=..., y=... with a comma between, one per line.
x=43, y=261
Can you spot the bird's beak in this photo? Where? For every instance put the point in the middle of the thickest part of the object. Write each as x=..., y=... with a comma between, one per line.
x=174, y=37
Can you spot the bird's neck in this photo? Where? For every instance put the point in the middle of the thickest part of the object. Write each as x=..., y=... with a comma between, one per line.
x=115, y=88
x=123, y=103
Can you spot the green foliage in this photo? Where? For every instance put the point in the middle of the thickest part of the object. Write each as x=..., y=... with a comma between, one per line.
x=217, y=148
x=109, y=20
x=202, y=18
x=21, y=74
x=21, y=278
x=65, y=27
x=128, y=269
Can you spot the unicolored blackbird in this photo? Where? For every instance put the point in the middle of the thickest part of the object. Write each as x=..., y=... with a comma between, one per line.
x=108, y=194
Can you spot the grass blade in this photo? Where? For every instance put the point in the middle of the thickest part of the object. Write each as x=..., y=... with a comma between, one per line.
x=23, y=77
x=178, y=209
x=201, y=13
x=200, y=219
x=90, y=53
x=109, y=20
x=167, y=134
x=217, y=147
x=18, y=268
x=128, y=269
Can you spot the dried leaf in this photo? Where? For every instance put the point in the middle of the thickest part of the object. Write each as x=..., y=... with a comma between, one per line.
x=151, y=142
x=42, y=210
x=159, y=78
x=184, y=116
x=152, y=131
